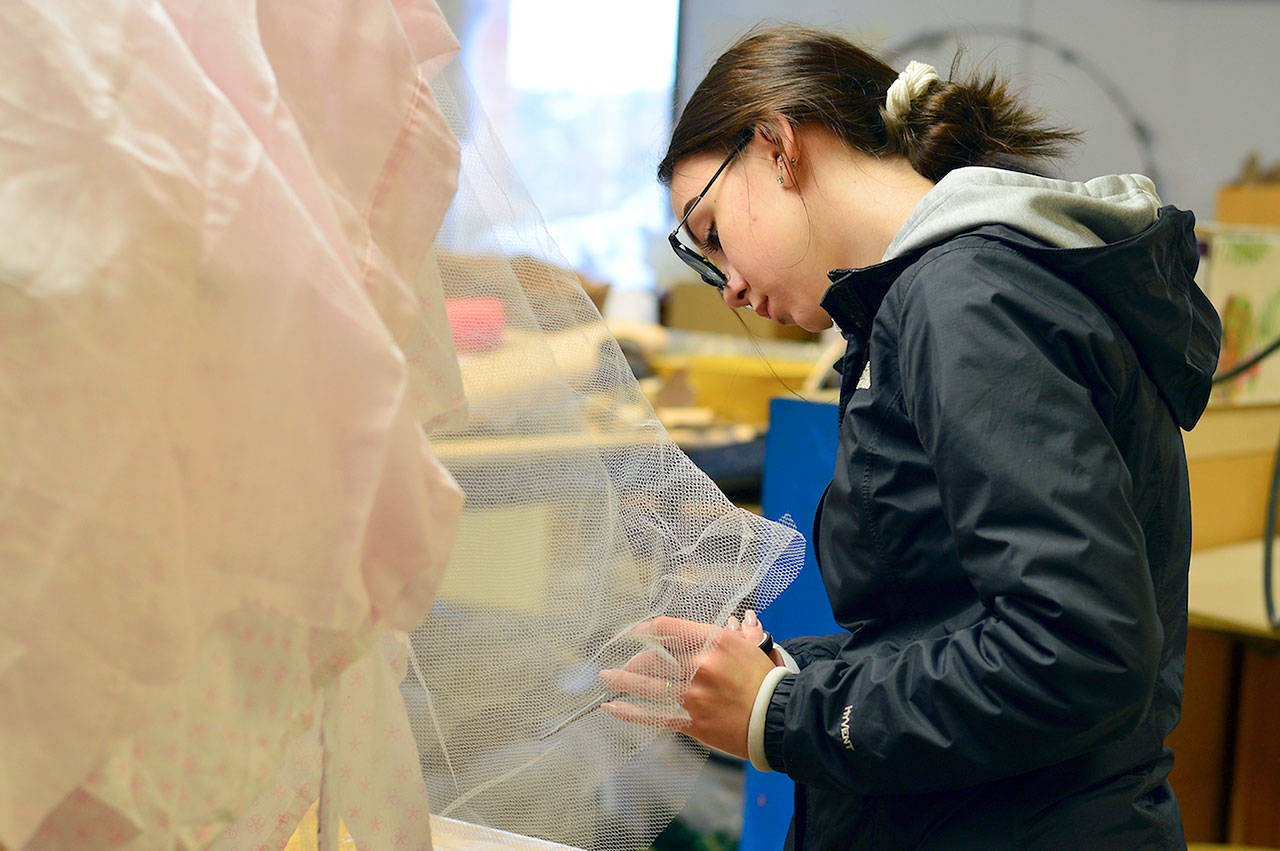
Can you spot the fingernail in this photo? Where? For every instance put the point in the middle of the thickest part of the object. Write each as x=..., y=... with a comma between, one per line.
x=749, y=618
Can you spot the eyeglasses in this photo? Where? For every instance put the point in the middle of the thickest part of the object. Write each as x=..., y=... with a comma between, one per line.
x=694, y=260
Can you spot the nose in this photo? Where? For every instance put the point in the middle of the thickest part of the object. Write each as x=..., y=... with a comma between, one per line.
x=735, y=291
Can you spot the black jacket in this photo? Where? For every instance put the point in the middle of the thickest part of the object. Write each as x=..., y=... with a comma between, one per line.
x=1006, y=538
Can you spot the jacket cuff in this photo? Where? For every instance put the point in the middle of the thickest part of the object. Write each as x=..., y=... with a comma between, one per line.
x=796, y=651
x=806, y=649
x=788, y=661
x=755, y=728
x=775, y=721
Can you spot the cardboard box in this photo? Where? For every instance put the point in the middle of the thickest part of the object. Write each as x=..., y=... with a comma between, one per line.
x=698, y=307
x=1241, y=275
x=1229, y=459
x=1249, y=204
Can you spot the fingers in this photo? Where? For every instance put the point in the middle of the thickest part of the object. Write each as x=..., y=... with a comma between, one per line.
x=655, y=663
x=672, y=630
x=656, y=689
x=659, y=678
x=709, y=698
x=649, y=716
x=752, y=630
x=668, y=629
x=652, y=674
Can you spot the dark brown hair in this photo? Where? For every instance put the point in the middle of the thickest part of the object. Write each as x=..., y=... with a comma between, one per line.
x=809, y=76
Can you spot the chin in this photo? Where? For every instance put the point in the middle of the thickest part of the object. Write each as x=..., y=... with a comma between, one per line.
x=814, y=324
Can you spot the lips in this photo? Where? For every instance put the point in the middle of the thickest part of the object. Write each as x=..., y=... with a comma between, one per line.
x=762, y=309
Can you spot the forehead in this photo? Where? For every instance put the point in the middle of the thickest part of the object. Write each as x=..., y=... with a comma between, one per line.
x=690, y=176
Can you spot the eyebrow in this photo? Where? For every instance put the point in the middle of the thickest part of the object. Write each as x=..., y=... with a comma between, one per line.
x=737, y=149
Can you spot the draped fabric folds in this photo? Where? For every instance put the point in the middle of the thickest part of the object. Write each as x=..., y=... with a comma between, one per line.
x=271, y=302
x=221, y=330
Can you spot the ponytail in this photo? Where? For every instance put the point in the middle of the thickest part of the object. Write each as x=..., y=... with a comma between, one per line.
x=973, y=123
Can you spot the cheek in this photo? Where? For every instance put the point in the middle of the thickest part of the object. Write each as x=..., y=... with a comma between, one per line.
x=779, y=237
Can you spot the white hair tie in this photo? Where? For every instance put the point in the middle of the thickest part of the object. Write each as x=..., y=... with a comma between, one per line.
x=911, y=83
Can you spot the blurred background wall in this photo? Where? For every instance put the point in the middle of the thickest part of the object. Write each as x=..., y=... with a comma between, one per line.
x=1201, y=75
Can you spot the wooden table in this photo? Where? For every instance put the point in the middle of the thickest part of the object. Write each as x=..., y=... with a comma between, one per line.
x=1225, y=590
x=1227, y=748
x=446, y=835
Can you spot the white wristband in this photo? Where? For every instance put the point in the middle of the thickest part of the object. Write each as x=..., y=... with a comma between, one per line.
x=755, y=728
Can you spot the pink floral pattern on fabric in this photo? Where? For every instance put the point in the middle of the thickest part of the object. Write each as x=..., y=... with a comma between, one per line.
x=223, y=333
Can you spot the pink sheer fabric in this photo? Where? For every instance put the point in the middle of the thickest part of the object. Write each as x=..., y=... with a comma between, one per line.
x=221, y=335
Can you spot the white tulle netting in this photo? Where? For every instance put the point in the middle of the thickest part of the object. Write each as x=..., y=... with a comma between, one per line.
x=582, y=520
x=325, y=493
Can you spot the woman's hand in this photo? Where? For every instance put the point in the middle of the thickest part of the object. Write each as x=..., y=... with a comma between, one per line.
x=718, y=699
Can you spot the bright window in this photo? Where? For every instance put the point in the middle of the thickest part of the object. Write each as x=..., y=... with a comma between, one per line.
x=580, y=95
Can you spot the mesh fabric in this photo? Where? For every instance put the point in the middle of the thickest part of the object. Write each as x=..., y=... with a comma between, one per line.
x=582, y=519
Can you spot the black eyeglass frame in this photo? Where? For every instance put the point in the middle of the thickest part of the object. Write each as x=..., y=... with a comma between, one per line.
x=706, y=270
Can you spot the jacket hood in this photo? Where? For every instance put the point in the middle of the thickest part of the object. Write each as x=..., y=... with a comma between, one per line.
x=1059, y=213
x=1112, y=240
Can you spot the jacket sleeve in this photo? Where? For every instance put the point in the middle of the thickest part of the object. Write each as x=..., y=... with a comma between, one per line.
x=998, y=361
x=806, y=649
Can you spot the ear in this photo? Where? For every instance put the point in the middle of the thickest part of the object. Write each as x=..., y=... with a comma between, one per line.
x=778, y=142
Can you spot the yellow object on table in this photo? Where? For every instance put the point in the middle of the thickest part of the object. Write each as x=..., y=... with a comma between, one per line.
x=737, y=387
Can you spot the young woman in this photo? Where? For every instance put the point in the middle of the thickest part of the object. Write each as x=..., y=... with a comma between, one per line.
x=1006, y=535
